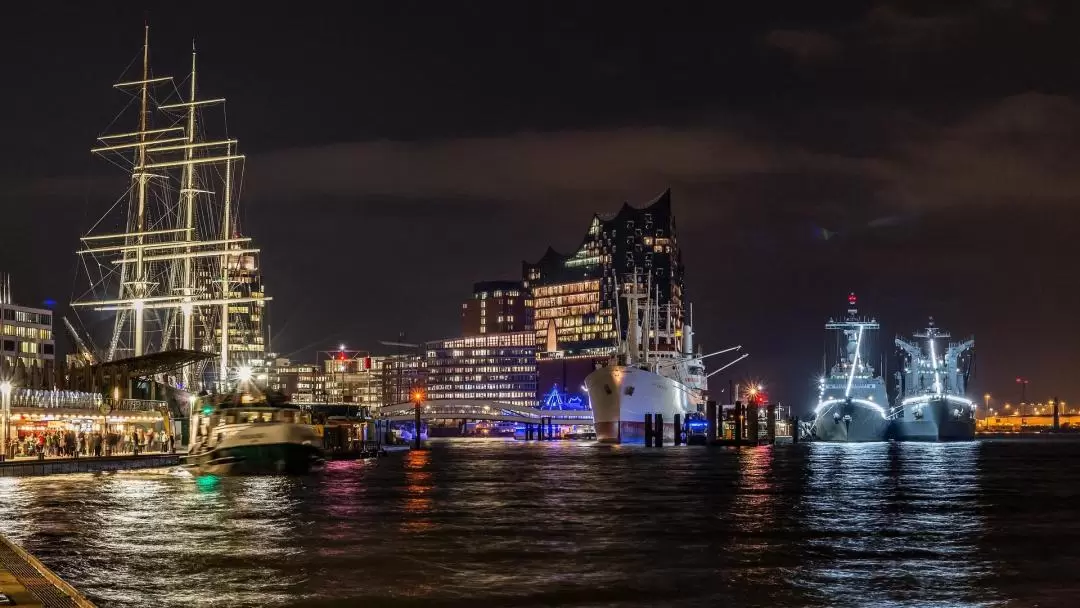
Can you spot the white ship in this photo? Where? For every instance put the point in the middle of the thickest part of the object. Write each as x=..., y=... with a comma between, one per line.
x=644, y=379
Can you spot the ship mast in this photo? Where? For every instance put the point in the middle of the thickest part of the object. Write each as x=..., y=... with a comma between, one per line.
x=226, y=292
x=167, y=241
x=141, y=175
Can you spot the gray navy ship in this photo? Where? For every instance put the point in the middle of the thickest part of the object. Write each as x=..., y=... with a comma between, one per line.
x=852, y=399
x=931, y=403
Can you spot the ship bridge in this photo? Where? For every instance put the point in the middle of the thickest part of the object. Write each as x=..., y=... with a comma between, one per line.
x=473, y=409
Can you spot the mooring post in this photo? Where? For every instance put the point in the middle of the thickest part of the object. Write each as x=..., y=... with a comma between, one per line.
x=752, y=426
x=416, y=433
x=658, y=429
x=795, y=429
x=710, y=421
x=648, y=431
x=678, y=429
x=738, y=422
x=770, y=422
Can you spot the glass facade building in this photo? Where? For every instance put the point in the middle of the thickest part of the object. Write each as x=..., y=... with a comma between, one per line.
x=496, y=307
x=578, y=317
x=493, y=367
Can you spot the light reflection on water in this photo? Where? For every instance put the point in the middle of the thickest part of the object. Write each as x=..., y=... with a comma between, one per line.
x=505, y=523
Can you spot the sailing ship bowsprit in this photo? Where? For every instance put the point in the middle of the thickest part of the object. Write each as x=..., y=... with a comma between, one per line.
x=166, y=262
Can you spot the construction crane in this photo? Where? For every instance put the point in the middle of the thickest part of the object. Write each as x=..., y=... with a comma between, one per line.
x=84, y=350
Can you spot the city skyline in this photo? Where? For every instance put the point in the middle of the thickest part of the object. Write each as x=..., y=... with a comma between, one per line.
x=893, y=188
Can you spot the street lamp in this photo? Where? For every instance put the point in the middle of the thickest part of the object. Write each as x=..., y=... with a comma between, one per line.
x=986, y=399
x=418, y=401
x=5, y=405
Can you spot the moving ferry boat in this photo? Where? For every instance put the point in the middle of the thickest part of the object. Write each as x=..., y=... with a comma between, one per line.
x=245, y=434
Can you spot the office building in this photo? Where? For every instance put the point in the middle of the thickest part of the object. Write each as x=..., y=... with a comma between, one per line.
x=352, y=377
x=496, y=307
x=401, y=375
x=247, y=340
x=27, y=347
x=300, y=382
x=493, y=367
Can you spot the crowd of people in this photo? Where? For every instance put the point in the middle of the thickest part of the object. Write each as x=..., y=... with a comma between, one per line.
x=77, y=444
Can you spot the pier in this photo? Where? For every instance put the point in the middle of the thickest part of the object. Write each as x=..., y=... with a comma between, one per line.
x=25, y=581
x=23, y=467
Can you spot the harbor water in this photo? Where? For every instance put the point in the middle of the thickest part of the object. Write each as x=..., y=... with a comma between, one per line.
x=504, y=523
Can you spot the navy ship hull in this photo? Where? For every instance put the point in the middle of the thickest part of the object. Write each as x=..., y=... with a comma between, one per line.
x=934, y=420
x=845, y=421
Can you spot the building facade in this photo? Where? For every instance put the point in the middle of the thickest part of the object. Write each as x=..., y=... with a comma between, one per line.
x=301, y=382
x=27, y=346
x=492, y=367
x=578, y=318
x=401, y=375
x=353, y=377
x=496, y=307
x=247, y=337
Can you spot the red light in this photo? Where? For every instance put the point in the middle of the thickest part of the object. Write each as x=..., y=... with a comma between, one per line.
x=341, y=356
x=367, y=362
x=851, y=299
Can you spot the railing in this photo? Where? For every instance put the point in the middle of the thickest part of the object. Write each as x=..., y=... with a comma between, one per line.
x=29, y=397
x=136, y=405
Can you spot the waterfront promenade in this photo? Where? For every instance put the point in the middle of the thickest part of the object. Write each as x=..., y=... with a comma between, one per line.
x=31, y=465
x=25, y=581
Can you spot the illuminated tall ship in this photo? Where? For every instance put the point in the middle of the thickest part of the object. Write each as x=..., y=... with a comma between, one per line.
x=644, y=378
x=931, y=387
x=166, y=263
x=852, y=399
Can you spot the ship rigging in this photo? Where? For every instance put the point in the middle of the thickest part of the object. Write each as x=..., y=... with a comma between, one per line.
x=169, y=275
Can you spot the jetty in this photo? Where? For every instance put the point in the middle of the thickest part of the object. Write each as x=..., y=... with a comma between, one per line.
x=23, y=467
x=25, y=581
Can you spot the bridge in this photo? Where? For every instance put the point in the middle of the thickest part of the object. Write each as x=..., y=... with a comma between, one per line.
x=471, y=409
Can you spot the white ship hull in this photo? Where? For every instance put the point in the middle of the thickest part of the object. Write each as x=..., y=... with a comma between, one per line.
x=621, y=397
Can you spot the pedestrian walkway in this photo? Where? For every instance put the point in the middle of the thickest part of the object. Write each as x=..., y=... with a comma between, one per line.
x=48, y=458
x=25, y=581
x=23, y=467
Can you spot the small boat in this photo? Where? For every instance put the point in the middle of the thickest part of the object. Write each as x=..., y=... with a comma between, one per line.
x=244, y=434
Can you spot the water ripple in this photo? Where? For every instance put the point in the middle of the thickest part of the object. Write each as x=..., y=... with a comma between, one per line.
x=577, y=524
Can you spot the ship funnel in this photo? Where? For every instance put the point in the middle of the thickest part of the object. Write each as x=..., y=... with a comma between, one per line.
x=688, y=339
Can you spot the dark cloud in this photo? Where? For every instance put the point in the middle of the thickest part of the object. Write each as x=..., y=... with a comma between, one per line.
x=806, y=46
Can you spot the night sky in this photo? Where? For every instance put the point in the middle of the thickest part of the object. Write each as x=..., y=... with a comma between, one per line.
x=400, y=151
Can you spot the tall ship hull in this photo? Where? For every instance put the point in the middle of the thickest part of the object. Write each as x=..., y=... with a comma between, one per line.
x=621, y=396
x=847, y=421
x=936, y=420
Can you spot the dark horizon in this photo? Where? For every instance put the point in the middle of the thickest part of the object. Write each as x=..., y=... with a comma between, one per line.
x=397, y=154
